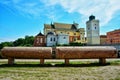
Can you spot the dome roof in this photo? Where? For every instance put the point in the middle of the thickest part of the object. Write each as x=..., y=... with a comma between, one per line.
x=91, y=17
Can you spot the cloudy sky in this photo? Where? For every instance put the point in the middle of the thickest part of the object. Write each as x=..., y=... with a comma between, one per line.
x=27, y=17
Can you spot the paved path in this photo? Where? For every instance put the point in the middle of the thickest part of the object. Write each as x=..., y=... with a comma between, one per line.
x=56, y=60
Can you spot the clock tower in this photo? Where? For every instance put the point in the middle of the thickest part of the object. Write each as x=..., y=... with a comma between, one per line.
x=92, y=29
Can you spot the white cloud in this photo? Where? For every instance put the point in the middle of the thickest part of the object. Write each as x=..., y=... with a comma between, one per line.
x=102, y=9
x=31, y=9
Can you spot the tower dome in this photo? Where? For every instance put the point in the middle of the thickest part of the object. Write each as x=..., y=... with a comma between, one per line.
x=91, y=17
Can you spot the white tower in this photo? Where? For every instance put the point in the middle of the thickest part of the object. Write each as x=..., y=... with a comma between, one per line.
x=92, y=29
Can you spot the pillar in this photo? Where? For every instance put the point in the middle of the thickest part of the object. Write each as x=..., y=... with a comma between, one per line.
x=11, y=61
x=66, y=61
x=102, y=61
x=41, y=61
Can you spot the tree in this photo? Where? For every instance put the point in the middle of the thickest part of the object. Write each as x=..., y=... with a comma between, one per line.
x=3, y=44
x=19, y=42
x=27, y=41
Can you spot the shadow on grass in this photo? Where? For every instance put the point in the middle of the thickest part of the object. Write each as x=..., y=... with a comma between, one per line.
x=55, y=65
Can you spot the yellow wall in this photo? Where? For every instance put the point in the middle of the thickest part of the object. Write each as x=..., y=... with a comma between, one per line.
x=70, y=33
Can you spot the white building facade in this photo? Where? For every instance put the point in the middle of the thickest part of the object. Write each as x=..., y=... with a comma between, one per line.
x=52, y=39
x=62, y=39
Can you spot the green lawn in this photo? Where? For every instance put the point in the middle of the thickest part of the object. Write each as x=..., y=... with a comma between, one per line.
x=75, y=71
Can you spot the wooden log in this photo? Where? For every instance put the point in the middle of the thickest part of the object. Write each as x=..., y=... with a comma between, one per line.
x=92, y=52
x=27, y=52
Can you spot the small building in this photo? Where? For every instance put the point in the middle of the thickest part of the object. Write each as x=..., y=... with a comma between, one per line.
x=113, y=37
x=51, y=39
x=39, y=40
x=103, y=39
x=62, y=39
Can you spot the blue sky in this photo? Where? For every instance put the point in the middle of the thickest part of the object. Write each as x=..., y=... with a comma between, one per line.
x=27, y=17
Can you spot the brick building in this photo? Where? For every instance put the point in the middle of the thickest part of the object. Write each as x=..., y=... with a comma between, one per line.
x=39, y=40
x=113, y=37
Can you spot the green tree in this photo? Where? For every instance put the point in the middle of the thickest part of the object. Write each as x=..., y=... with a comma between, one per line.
x=29, y=40
x=3, y=44
x=19, y=42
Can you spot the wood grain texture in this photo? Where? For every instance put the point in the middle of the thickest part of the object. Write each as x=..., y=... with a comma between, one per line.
x=27, y=52
x=92, y=52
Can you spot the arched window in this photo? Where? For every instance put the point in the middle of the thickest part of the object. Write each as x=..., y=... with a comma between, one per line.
x=37, y=40
x=41, y=40
x=50, y=39
x=54, y=39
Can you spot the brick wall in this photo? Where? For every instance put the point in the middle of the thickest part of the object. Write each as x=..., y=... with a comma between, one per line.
x=113, y=37
x=39, y=41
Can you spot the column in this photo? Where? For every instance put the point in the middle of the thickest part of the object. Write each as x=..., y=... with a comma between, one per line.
x=11, y=61
x=102, y=61
x=41, y=61
x=66, y=61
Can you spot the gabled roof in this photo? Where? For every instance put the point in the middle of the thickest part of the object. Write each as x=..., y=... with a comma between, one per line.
x=65, y=26
x=62, y=25
x=40, y=34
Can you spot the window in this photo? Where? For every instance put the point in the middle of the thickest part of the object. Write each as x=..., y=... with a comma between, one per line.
x=74, y=33
x=37, y=40
x=71, y=39
x=54, y=39
x=41, y=40
x=95, y=27
x=50, y=39
x=74, y=39
x=88, y=28
x=64, y=37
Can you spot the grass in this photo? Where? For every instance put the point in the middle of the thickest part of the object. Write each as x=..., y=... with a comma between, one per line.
x=74, y=71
